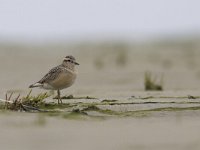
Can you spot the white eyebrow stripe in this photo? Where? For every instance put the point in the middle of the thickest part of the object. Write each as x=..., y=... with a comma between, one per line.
x=66, y=59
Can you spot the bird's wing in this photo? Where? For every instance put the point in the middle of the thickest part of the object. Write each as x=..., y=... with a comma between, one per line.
x=51, y=75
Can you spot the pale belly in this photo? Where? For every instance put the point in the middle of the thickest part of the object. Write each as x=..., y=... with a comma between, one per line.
x=64, y=80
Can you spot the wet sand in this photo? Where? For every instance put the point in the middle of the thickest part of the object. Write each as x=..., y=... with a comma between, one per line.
x=31, y=131
x=135, y=120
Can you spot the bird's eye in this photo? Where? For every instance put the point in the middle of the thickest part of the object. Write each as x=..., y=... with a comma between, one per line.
x=70, y=60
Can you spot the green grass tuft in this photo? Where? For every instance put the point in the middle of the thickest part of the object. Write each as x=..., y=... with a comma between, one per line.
x=151, y=84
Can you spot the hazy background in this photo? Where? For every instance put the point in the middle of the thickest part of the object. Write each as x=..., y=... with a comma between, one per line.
x=115, y=42
x=108, y=37
x=37, y=20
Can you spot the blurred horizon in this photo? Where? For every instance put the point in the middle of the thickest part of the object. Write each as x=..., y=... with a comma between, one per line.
x=41, y=21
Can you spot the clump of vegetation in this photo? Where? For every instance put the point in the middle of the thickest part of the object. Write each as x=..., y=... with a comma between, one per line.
x=34, y=101
x=191, y=97
x=14, y=104
x=151, y=84
x=122, y=58
x=27, y=103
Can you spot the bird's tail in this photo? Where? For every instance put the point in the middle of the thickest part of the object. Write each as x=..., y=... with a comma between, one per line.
x=35, y=85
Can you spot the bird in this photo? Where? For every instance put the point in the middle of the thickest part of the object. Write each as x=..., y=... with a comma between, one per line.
x=59, y=77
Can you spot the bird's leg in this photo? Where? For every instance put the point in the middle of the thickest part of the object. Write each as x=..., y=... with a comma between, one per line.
x=58, y=91
x=59, y=98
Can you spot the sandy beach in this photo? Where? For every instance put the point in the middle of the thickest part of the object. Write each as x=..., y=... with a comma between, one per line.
x=128, y=117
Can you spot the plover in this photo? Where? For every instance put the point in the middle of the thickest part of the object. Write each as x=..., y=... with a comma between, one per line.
x=60, y=77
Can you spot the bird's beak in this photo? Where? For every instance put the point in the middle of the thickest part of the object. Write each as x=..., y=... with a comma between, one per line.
x=76, y=63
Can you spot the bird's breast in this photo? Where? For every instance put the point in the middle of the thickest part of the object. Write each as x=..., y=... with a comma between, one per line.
x=64, y=80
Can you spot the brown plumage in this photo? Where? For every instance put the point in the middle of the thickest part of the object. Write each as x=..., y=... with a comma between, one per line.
x=59, y=77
